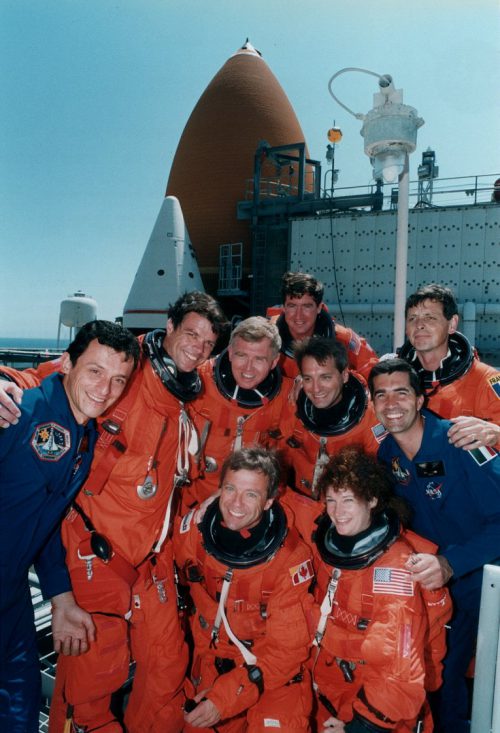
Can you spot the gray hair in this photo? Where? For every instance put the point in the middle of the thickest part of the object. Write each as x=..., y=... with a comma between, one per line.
x=255, y=329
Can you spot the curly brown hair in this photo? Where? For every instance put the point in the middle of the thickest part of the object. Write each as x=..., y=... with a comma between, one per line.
x=352, y=468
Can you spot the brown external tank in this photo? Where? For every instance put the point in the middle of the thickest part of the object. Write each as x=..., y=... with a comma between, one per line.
x=243, y=105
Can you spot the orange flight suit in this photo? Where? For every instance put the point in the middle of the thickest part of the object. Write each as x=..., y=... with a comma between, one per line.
x=360, y=354
x=133, y=602
x=384, y=641
x=463, y=385
x=306, y=449
x=268, y=606
x=31, y=377
x=230, y=426
x=476, y=393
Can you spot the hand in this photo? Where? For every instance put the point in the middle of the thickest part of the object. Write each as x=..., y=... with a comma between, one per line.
x=205, y=714
x=200, y=512
x=72, y=628
x=472, y=432
x=293, y=395
x=333, y=725
x=10, y=397
x=431, y=571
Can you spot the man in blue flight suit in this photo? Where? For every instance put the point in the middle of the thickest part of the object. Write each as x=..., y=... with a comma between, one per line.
x=455, y=497
x=44, y=459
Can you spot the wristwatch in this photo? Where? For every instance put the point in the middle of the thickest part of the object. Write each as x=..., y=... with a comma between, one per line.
x=255, y=675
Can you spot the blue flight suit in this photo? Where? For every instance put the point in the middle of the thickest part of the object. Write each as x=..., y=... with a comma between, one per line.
x=44, y=460
x=455, y=497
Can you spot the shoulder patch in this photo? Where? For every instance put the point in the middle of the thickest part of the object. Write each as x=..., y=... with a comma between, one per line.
x=494, y=383
x=354, y=344
x=51, y=441
x=483, y=455
x=394, y=581
x=301, y=573
x=379, y=432
x=401, y=474
x=186, y=521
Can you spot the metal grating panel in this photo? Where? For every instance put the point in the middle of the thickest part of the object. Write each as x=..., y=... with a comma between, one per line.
x=458, y=246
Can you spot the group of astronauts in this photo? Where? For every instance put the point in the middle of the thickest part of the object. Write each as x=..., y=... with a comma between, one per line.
x=290, y=534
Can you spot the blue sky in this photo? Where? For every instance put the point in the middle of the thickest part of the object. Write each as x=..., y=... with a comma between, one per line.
x=95, y=95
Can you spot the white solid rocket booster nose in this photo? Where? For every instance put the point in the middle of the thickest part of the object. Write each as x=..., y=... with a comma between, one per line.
x=167, y=269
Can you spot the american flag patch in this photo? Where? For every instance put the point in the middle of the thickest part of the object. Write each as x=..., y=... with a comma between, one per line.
x=301, y=573
x=379, y=432
x=393, y=581
x=483, y=455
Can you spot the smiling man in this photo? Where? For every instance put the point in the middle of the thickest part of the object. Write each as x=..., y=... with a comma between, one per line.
x=458, y=386
x=44, y=460
x=117, y=546
x=303, y=314
x=128, y=584
x=332, y=410
x=242, y=402
x=249, y=575
x=455, y=497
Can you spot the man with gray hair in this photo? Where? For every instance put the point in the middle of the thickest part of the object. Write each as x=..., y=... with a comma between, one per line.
x=241, y=404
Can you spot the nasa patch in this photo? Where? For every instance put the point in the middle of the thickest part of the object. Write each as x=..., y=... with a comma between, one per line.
x=50, y=441
x=433, y=490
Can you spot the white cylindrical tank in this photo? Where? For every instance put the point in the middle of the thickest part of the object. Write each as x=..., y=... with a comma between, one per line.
x=77, y=309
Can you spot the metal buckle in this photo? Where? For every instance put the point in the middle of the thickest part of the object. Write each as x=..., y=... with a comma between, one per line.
x=101, y=546
x=111, y=427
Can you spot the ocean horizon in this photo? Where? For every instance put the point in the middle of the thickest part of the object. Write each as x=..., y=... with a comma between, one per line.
x=32, y=343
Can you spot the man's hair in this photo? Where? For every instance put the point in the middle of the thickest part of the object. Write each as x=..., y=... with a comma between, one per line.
x=352, y=468
x=389, y=366
x=202, y=304
x=438, y=293
x=321, y=349
x=258, y=459
x=255, y=329
x=108, y=334
x=297, y=284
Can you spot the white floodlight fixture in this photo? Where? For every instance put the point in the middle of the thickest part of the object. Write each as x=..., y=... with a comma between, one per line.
x=390, y=134
x=389, y=129
x=388, y=165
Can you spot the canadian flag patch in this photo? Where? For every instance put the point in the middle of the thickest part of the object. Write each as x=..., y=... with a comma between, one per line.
x=301, y=573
